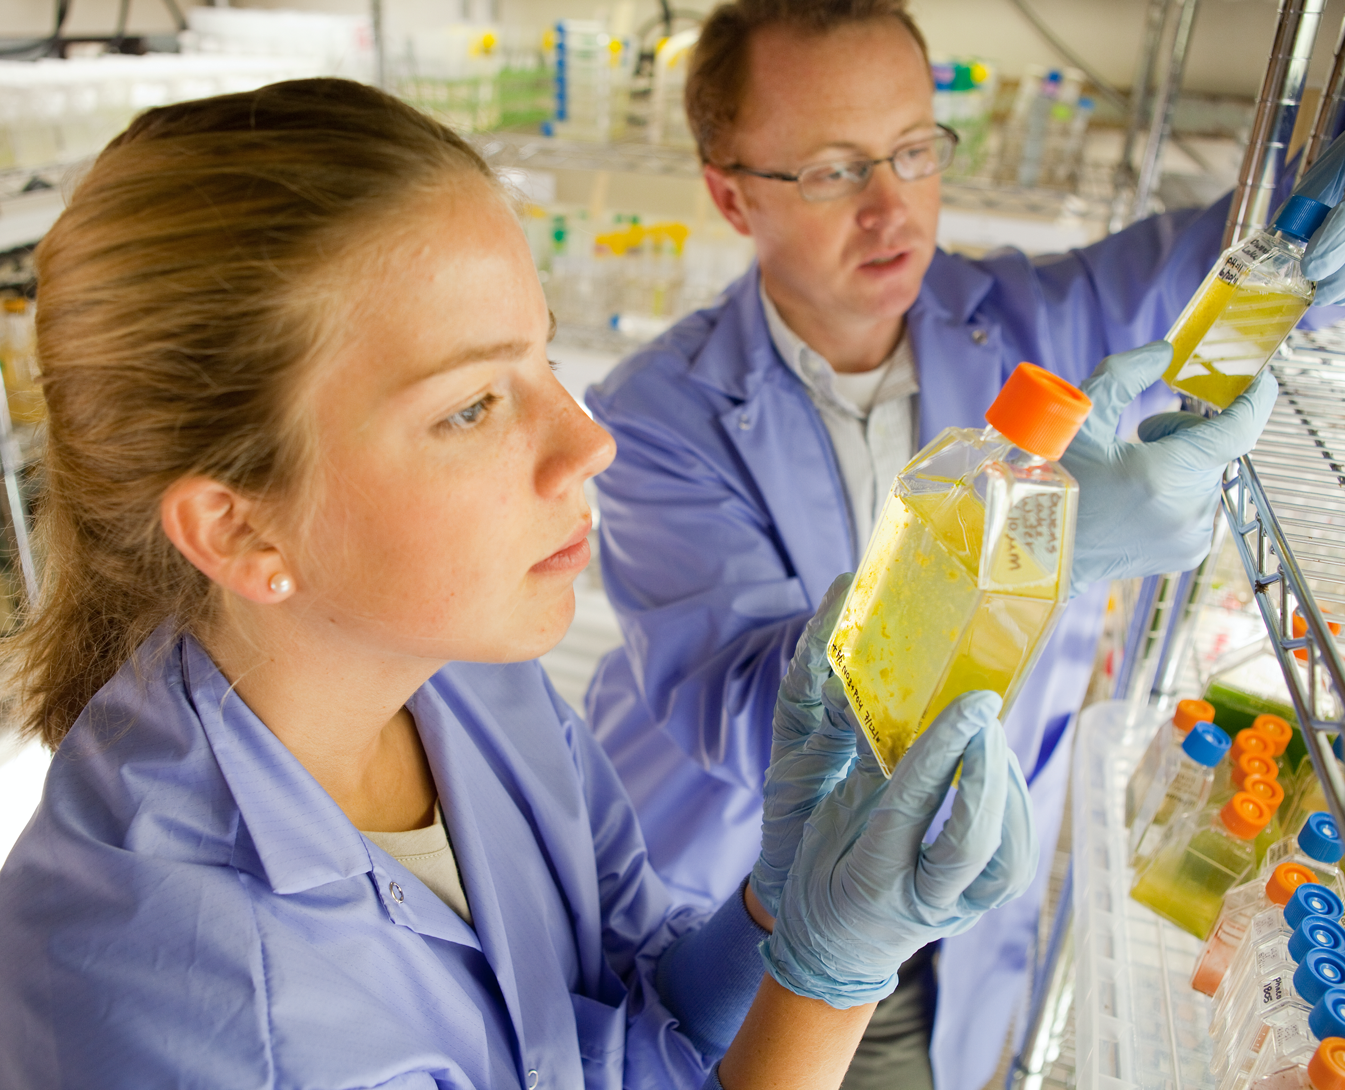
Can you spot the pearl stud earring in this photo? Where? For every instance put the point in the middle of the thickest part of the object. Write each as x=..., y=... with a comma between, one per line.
x=281, y=583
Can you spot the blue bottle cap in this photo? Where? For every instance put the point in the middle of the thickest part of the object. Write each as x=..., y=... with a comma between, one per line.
x=1320, y=839
x=1328, y=1015
x=1300, y=217
x=1313, y=932
x=1312, y=899
x=1206, y=744
x=1318, y=972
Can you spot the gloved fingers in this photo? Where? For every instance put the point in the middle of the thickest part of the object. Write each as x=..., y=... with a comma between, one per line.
x=972, y=835
x=1153, y=428
x=1212, y=444
x=1330, y=290
x=890, y=844
x=1326, y=251
x=842, y=715
x=801, y=686
x=1119, y=379
x=1012, y=868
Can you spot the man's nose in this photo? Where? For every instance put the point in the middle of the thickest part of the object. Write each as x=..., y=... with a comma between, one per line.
x=883, y=200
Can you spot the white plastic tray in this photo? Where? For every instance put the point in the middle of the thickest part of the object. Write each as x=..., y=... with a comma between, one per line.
x=1138, y=1021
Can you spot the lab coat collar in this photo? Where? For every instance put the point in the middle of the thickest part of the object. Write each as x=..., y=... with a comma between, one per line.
x=953, y=288
x=738, y=356
x=300, y=837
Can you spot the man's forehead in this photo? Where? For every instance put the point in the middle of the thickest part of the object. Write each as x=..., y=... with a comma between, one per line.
x=849, y=87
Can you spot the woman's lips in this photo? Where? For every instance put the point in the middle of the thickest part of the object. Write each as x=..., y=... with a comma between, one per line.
x=572, y=556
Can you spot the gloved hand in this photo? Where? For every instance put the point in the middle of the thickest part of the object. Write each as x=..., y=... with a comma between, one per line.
x=811, y=750
x=864, y=893
x=1324, y=259
x=1149, y=507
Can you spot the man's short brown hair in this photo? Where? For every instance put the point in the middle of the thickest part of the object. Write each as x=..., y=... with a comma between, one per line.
x=718, y=72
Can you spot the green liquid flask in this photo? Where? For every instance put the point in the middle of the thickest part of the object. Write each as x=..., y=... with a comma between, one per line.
x=1201, y=858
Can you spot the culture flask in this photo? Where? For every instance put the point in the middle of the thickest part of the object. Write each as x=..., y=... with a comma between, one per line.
x=968, y=567
x=1167, y=738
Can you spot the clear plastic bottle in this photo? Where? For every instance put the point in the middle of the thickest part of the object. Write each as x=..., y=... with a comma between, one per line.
x=1279, y=999
x=1167, y=738
x=1311, y=797
x=1240, y=906
x=1275, y=939
x=1308, y=1054
x=1181, y=786
x=967, y=570
x=1202, y=856
x=1245, y=308
x=1247, y=742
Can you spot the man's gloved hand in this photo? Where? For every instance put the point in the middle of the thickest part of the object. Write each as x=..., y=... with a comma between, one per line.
x=1149, y=507
x=1324, y=259
x=864, y=893
x=811, y=750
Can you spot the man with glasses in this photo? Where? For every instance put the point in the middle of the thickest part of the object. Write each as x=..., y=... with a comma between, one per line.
x=757, y=439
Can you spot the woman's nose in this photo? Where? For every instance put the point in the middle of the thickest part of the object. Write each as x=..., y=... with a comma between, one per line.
x=578, y=448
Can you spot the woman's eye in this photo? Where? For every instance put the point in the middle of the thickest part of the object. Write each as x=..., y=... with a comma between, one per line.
x=470, y=416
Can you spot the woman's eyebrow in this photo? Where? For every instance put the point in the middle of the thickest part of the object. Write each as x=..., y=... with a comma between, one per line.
x=503, y=351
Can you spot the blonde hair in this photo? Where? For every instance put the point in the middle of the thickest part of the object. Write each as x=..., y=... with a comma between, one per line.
x=184, y=297
x=717, y=76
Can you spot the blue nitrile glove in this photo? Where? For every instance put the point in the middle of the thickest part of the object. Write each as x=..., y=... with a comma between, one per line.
x=811, y=750
x=1324, y=259
x=865, y=893
x=1148, y=507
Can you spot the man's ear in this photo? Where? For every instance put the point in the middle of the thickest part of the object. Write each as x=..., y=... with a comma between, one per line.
x=727, y=193
x=215, y=529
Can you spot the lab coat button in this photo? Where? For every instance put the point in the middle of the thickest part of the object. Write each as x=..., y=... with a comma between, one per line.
x=396, y=892
x=533, y=1079
x=744, y=422
x=980, y=336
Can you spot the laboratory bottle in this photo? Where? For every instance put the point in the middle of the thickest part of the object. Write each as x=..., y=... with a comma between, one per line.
x=1253, y=297
x=1181, y=786
x=1311, y=796
x=1241, y=904
x=1200, y=858
x=1308, y=1054
x=1168, y=737
x=1279, y=998
x=1277, y=938
x=1317, y=846
x=1271, y=793
x=967, y=569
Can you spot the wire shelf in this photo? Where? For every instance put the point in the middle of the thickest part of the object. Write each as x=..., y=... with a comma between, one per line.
x=1286, y=505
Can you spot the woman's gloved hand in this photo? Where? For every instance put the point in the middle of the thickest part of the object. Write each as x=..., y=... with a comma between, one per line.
x=864, y=893
x=811, y=750
x=1149, y=507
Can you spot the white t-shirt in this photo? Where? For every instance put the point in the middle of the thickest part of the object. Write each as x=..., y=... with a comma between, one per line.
x=427, y=854
x=871, y=416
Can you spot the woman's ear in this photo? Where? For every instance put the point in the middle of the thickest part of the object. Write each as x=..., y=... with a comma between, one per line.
x=216, y=530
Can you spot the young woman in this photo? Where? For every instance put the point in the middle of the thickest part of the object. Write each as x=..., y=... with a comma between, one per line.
x=316, y=818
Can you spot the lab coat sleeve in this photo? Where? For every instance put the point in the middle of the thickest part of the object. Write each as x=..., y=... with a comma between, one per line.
x=709, y=630
x=639, y=923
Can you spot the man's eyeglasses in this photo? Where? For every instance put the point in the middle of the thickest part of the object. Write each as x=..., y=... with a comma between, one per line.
x=919, y=157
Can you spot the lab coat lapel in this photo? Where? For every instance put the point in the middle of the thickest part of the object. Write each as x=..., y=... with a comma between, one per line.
x=491, y=840
x=958, y=354
x=780, y=438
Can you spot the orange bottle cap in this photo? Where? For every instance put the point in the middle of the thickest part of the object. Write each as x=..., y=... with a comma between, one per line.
x=1191, y=712
x=1038, y=411
x=1244, y=815
x=1251, y=740
x=1286, y=878
x=1269, y=791
x=1326, y=1069
x=1276, y=729
x=1300, y=629
x=1254, y=764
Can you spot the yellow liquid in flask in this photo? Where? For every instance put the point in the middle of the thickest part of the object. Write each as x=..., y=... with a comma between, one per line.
x=920, y=628
x=1226, y=335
